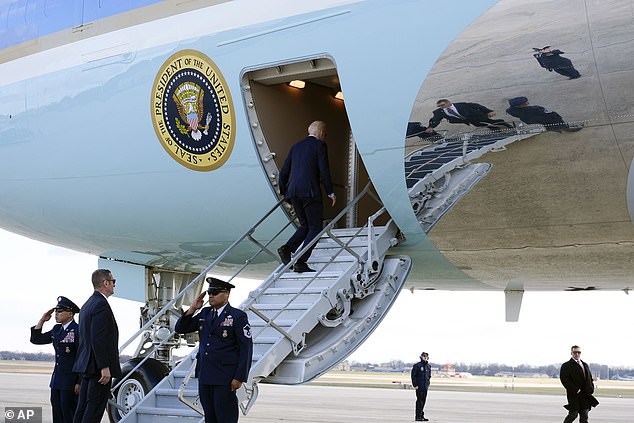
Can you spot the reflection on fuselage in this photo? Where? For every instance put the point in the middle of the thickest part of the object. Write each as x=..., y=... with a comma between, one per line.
x=554, y=205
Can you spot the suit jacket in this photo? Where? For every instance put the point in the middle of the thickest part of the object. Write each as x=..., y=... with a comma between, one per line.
x=65, y=343
x=470, y=111
x=573, y=379
x=225, y=350
x=99, y=343
x=306, y=163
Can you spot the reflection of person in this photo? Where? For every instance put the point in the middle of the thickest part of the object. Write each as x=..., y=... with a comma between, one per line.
x=64, y=336
x=552, y=121
x=417, y=129
x=421, y=375
x=553, y=61
x=468, y=113
x=224, y=353
x=576, y=377
x=306, y=163
x=98, y=355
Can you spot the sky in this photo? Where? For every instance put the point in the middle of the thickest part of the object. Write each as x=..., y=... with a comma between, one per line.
x=453, y=327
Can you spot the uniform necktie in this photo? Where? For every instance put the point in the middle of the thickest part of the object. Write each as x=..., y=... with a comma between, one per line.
x=213, y=316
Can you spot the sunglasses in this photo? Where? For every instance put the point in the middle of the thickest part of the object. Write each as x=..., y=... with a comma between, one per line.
x=214, y=292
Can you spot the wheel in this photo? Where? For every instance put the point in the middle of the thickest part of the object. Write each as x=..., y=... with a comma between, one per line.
x=135, y=387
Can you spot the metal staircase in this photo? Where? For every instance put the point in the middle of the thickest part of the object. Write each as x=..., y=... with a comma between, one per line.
x=302, y=324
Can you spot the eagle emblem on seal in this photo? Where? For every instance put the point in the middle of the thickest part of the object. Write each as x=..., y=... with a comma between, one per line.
x=189, y=98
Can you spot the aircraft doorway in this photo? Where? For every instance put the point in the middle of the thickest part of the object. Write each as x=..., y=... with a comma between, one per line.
x=279, y=115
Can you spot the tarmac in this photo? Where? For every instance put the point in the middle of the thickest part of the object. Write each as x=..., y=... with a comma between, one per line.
x=327, y=404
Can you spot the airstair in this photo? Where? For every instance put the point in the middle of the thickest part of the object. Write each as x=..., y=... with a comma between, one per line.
x=302, y=324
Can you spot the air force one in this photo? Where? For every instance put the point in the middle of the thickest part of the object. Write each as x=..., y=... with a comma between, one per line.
x=151, y=134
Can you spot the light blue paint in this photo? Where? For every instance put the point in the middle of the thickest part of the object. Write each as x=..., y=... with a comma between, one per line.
x=27, y=20
x=119, y=185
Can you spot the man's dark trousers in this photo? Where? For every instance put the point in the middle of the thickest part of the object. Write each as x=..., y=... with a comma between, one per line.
x=421, y=398
x=93, y=397
x=309, y=211
x=219, y=403
x=64, y=404
x=572, y=415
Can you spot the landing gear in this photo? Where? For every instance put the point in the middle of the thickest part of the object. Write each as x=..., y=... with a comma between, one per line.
x=136, y=386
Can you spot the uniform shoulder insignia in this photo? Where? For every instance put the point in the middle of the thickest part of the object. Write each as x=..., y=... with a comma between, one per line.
x=247, y=330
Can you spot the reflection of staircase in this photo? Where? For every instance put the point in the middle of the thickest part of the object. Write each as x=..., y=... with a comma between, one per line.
x=302, y=323
x=439, y=175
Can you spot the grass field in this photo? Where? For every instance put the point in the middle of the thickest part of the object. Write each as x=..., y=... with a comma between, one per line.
x=545, y=386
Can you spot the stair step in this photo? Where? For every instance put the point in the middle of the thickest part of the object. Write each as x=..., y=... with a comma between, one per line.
x=283, y=306
x=306, y=276
x=347, y=232
x=167, y=412
x=288, y=290
x=255, y=322
x=168, y=398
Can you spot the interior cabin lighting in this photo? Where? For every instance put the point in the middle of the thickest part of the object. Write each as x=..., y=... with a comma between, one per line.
x=339, y=95
x=297, y=83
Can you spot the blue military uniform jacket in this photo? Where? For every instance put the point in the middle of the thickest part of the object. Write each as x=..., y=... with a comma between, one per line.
x=225, y=350
x=421, y=374
x=65, y=342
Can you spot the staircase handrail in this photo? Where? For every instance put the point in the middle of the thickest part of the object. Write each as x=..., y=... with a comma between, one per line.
x=203, y=273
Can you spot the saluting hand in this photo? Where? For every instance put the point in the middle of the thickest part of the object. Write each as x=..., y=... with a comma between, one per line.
x=197, y=304
x=47, y=315
x=45, y=318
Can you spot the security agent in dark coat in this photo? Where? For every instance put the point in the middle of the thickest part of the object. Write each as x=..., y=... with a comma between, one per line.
x=552, y=60
x=98, y=355
x=65, y=337
x=306, y=163
x=467, y=113
x=224, y=353
x=576, y=377
x=421, y=375
x=552, y=121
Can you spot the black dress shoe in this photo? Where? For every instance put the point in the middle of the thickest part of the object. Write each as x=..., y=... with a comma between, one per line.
x=285, y=254
x=301, y=267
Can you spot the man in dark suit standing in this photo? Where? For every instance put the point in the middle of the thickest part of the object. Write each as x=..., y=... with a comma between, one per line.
x=98, y=355
x=224, y=353
x=468, y=113
x=64, y=336
x=576, y=377
x=421, y=375
x=299, y=178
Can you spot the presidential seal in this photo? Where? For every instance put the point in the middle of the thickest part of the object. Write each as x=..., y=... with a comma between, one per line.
x=192, y=111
